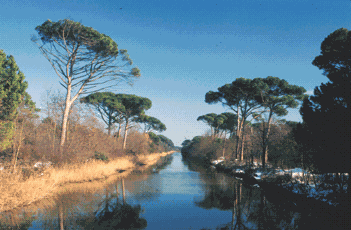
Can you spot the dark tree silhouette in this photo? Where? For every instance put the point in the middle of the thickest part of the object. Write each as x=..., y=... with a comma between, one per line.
x=325, y=134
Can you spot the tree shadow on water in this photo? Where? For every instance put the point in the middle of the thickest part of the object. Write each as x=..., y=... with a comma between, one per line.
x=114, y=215
x=120, y=216
x=217, y=197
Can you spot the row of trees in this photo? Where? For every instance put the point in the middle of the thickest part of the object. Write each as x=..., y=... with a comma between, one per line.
x=86, y=62
x=25, y=136
x=259, y=100
x=116, y=109
x=220, y=124
x=321, y=142
x=283, y=151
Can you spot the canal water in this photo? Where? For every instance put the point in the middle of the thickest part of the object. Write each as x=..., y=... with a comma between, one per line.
x=182, y=195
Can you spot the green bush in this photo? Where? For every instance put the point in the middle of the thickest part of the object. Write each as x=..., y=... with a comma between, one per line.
x=100, y=156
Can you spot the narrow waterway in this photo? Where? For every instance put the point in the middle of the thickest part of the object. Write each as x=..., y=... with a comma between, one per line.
x=179, y=196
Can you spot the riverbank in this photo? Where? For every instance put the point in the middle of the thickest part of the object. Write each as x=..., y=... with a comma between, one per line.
x=295, y=180
x=16, y=192
x=321, y=197
x=305, y=191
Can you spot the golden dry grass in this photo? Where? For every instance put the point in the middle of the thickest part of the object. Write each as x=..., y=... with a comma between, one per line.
x=151, y=159
x=15, y=192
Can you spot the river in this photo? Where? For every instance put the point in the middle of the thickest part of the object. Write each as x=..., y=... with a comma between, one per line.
x=182, y=195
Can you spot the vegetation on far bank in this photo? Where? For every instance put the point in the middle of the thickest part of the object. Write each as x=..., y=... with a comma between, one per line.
x=256, y=133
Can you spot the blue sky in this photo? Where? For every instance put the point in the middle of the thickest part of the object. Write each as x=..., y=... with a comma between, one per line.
x=185, y=48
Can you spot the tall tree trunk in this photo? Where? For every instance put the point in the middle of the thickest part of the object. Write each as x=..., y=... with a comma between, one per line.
x=16, y=151
x=109, y=127
x=242, y=147
x=265, y=140
x=125, y=134
x=54, y=138
x=242, y=142
x=65, y=117
x=225, y=137
x=119, y=130
x=263, y=157
x=237, y=134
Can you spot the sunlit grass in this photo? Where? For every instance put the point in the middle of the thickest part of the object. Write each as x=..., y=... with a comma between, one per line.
x=17, y=192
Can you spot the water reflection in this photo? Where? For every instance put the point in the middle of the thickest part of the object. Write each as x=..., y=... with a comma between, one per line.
x=249, y=206
x=217, y=197
x=16, y=220
x=143, y=188
x=180, y=196
x=114, y=215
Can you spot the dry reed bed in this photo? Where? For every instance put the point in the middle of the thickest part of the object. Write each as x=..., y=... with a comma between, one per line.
x=14, y=192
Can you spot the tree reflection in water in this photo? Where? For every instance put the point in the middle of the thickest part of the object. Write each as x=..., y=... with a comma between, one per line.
x=250, y=207
x=86, y=210
x=114, y=215
x=15, y=219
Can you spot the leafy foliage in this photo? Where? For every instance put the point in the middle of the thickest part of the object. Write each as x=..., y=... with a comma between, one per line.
x=12, y=95
x=160, y=143
x=67, y=42
x=239, y=96
x=154, y=138
x=131, y=107
x=107, y=106
x=326, y=114
x=202, y=148
x=283, y=149
x=100, y=156
x=150, y=123
x=276, y=96
x=166, y=141
x=240, y=92
x=335, y=61
x=12, y=87
x=219, y=123
x=50, y=31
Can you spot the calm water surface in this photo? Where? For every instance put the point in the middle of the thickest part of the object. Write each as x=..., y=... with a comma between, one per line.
x=180, y=196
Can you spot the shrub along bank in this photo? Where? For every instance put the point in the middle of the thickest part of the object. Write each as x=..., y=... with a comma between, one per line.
x=17, y=191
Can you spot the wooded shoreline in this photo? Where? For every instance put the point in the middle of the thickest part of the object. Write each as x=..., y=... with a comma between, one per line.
x=302, y=203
